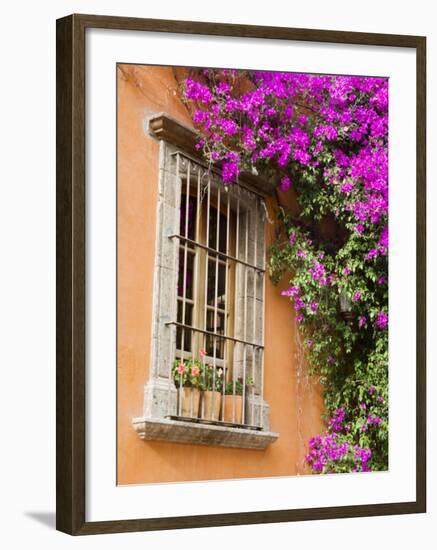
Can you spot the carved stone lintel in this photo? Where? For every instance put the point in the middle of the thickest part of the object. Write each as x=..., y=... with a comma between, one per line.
x=166, y=128
x=169, y=129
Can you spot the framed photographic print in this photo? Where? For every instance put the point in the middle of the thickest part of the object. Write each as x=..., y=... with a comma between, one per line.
x=240, y=274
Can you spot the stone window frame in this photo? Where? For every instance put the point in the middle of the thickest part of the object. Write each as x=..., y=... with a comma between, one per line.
x=176, y=146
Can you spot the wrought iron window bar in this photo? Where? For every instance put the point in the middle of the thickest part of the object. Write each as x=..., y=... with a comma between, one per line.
x=214, y=335
x=191, y=172
x=213, y=422
x=213, y=252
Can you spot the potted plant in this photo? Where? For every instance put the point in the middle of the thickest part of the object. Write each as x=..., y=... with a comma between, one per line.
x=212, y=386
x=187, y=376
x=233, y=406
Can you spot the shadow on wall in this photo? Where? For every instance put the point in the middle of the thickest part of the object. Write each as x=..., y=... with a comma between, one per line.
x=45, y=518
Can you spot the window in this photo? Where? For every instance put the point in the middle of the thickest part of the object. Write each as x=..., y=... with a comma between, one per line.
x=206, y=280
x=208, y=309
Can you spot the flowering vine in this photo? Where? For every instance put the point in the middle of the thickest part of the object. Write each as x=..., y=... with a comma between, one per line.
x=324, y=139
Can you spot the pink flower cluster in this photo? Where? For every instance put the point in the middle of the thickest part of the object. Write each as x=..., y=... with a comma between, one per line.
x=318, y=273
x=328, y=450
x=323, y=449
x=262, y=122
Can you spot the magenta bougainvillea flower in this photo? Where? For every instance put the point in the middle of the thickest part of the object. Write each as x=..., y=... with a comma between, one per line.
x=357, y=296
x=348, y=110
x=285, y=183
x=362, y=321
x=323, y=138
x=382, y=320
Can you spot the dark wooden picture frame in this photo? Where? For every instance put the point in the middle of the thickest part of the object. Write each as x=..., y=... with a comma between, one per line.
x=71, y=280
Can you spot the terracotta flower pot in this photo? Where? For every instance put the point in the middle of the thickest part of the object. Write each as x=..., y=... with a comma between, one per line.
x=233, y=409
x=211, y=402
x=189, y=402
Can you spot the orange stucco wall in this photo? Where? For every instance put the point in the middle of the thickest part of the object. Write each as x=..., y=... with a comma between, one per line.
x=294, y=398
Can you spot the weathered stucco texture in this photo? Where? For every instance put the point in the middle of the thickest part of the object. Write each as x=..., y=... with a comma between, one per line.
x=295, y=400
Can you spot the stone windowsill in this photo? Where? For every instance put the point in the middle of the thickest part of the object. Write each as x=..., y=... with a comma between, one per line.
x=177, y=431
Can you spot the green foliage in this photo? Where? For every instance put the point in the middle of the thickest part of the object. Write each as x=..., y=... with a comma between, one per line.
x=235, y=387
x=349, y=355
x=212, y=379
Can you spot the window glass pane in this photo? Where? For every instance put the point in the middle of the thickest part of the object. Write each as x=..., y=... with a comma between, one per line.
x=215, y=323
x=213, y=231
x=184, y=334
x=188, y=217
x=221, y=283
x=189, y=277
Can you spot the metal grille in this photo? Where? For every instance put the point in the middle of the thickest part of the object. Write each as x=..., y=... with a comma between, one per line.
x=217, y=322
